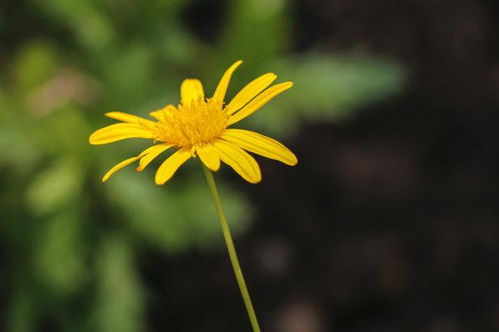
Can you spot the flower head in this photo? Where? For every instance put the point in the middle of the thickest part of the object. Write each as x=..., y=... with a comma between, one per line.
x=199, y=127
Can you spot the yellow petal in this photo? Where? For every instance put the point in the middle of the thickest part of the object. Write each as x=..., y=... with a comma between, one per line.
x=118, y=167
x=150, y=154
x=221, y=89
x=161, y=113
x=250, y=91
x=244, y=164
x=191, y=90
x=130, y=118
x=170, y=165
x=209, y=157
x=119, y=131
x=260, y=144
x=259, y=101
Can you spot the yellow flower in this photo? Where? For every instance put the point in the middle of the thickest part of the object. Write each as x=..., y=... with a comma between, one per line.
x=198, y=126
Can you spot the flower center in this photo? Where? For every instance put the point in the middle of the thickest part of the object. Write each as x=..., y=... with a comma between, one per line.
x=187, y=125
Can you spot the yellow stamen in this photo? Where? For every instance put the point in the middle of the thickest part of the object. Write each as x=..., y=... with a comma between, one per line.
x=196, y=123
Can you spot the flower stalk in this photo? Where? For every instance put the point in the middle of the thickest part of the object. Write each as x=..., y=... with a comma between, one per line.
x=231, y=249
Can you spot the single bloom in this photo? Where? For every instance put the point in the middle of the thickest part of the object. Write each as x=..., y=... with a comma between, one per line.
x=199, y=127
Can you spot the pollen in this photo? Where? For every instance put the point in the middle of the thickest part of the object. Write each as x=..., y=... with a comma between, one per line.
x=197, y=123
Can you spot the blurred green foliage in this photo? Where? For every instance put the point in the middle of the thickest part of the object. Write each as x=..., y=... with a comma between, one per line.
x=67, y=238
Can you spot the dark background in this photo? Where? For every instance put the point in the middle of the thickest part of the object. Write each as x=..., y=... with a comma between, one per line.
x=394, y=224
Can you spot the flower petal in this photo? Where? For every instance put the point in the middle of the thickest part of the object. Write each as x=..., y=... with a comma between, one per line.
x=130, y=118
x=170, y=165
x=191, y=90
x=221, y=89
x=209, y=156
x=259, y=101
x=119, y=131
x=250, y=91
x=118, y=167
x=260, y=144
x=244, y=164
x=160, y=114
x=150, y=154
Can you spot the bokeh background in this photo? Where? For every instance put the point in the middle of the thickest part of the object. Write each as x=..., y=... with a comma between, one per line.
x=388, y=223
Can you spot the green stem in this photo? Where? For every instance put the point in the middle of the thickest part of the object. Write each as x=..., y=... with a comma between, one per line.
x=232, y=251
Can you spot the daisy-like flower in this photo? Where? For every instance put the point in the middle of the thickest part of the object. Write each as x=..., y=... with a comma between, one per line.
x=199, y=127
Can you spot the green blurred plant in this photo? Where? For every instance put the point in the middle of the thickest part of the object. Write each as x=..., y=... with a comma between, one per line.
x=66, y=236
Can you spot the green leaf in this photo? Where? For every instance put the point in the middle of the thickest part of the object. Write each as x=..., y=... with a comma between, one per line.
x=256, y=31
x=54, y=187
x=59, y=258
x=16, y=132
x=35, y=63
x=328, y=88
x=125, y=87
x=85, y=18
x=120, y=303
